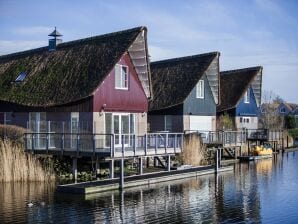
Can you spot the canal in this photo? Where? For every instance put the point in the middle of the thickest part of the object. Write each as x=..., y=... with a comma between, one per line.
x=256, y=192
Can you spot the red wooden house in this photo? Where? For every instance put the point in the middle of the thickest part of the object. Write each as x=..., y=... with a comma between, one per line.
x=99, y=84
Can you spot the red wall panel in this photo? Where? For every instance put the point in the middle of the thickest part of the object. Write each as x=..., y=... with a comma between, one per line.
x=108, y=98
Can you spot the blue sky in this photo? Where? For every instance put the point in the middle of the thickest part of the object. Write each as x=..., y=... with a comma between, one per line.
x=246, y=32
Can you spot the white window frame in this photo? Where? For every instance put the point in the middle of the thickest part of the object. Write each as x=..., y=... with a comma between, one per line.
x=122, y=76
x=200, y=90
x=282, y=110
x=246, y=96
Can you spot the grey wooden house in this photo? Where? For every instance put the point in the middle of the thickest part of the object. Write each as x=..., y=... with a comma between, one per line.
x=185, y=93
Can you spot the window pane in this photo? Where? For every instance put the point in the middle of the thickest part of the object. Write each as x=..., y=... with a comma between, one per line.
x=125, y=124
x=124, y=77
x=116, y=124
x=117, y=76
x=132, y=123
x=108, y=123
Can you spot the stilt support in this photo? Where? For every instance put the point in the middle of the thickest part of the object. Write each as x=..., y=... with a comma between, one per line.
x=169, y=163
x=121, y=178
x=140, y=165
x=75, y=168
x=112, y=169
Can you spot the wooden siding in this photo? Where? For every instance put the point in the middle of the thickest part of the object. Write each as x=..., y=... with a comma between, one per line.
x=247, y=109
x=107, y=98
x=1, y=118
x=197, y=106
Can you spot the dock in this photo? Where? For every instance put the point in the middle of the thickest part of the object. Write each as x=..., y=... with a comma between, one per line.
x=138, y=180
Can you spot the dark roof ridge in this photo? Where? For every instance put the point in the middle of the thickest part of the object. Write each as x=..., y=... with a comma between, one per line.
x=69, y=43
x=184, y=58
x=241, y=70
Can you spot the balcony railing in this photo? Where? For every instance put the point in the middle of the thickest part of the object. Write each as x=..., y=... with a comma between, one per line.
x=104, y=144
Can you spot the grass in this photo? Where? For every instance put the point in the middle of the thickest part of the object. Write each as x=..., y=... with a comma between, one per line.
x=194, y=151
x=17, y=165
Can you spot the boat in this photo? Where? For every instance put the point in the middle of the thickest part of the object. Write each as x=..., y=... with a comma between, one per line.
x=263, y=150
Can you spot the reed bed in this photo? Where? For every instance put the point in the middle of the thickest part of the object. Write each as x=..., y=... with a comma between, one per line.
x=194, y=151
x=19, y=166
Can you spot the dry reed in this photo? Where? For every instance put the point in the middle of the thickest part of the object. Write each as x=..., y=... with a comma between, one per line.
x=194, y=151
x=17, y=165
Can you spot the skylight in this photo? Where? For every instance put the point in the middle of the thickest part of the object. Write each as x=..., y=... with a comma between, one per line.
x=21, y=77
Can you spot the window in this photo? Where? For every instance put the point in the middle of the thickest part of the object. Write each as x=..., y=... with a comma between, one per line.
x=200, y=89
x=168, y=123
x=240, y=119
x=7, y=117
x=283, y=110
x=21, y=77
x=121, y=77
x=246, y=96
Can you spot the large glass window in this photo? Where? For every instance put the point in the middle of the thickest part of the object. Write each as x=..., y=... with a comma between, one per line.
x=121, y=77
x=246, y=96
x=200, y=89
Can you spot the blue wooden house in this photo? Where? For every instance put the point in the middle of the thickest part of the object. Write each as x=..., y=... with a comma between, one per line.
x=185, y=93
x=240, y=96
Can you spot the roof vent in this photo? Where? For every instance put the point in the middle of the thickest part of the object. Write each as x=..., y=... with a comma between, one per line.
x=55, y=41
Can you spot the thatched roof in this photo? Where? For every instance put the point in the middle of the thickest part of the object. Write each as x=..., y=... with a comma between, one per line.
x=70, y=73
x=234, y=84
x=174, y=79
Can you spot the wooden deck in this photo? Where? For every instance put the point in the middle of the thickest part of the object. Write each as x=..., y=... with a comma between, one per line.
x=104, y=145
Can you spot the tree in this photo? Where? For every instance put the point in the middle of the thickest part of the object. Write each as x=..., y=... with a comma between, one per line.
x=290, y=122
x=225, y=122
x=269, y=117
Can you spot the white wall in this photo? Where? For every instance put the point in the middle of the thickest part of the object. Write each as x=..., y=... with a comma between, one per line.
x=252, y=124
x=203, y=123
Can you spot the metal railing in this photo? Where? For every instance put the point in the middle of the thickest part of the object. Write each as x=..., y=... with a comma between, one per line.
x=264, y=134
x=220, y=137
x=112, y=145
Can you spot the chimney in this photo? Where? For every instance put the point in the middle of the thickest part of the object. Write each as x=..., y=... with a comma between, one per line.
x=54, y=41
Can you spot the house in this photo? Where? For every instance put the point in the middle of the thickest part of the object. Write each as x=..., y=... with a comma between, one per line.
x=99, y=84
x=185, y=93
x=240, y=96
x=285, y=108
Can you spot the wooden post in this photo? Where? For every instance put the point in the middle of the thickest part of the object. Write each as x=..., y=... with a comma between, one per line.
x=134, y=145
x=112, y=169
x=169, y=163
x=121, y=178
x=140, y=165
x=97, y=167
x=146, y=144
x=216, y=161
x=148, y=162
x=75, y=168
x=122, y=144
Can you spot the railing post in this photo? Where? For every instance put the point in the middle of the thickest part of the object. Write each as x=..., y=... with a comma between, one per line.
x=32, y=141
x=175, y=143
x=146, y=145
x=62, y=142
x=156, y=140
x=78, y=139
x=134, y=145
x=47, y=143
x=93, y=136
x=122, y=145
x=112, y=145
x=166, y=142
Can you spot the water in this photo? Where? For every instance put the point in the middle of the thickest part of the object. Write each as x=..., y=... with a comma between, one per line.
x=257, y=192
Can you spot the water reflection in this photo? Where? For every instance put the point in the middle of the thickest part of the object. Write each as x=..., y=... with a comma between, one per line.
x=263, y=191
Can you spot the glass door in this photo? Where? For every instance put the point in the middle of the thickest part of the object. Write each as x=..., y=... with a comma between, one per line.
x=38, y=124
x=74, y=129
x=122, y=125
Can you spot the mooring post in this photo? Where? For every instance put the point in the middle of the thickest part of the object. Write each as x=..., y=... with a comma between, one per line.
x=216, y=160
x=140, y=165
x=121, y=178
x=112, y=169
x=97, y=167
x=169, y=163
x=75, y=168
